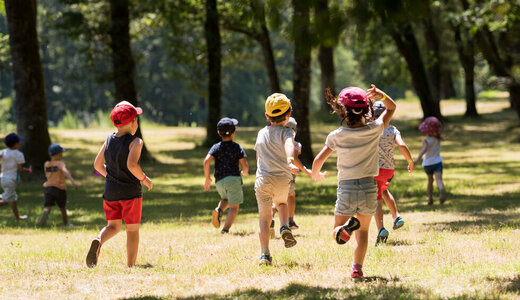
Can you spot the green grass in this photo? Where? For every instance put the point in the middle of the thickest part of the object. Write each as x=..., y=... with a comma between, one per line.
x=466, y=249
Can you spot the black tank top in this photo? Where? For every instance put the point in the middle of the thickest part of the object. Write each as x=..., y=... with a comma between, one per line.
x=120, y=184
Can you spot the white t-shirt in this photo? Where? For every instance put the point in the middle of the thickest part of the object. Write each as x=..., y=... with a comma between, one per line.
x=432, y=155
x=10, y=161
x=357, y=150
x=270, y=146
x=387, y=147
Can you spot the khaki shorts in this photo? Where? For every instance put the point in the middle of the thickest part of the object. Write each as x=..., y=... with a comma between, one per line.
x=9, y=186
x=356, y=196
x=269, y=190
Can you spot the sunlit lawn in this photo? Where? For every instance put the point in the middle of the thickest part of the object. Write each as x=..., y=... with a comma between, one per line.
x=468, y=248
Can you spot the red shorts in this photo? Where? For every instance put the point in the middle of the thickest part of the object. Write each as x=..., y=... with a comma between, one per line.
x=383, y=181
x=127, y=210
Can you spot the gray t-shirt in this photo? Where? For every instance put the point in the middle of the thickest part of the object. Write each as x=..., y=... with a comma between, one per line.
x=387, y=146
x=357, y=150
x=270, y=146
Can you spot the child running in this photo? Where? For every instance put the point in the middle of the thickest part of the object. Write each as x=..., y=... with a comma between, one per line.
x=55, y=186
x=432, y=162
x=291, y=198
x=390, y=137
x=275, y=156
x=12, y=169
x=118, y=161
x=357, y=146
x=227, y=155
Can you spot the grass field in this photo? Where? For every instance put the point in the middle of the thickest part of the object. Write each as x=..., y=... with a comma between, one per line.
x=468, y=248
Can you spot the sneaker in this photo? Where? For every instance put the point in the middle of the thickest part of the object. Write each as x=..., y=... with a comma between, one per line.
x=69, y=225
x=271, y=230
x=357, y=273
x=216, y=216
x=398, y=222
x=382, y=236
x=265, y=260
x=293, y=225
x=430, y=201
x=93, y=253
x=442, y=196
x=342, y=233
x=224, y=231
x=287, y=237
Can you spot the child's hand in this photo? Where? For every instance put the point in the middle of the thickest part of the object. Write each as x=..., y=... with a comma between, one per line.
x=245, y=174
x=75, y=185
x=294, y=169
x=415, y=161
x=148, y=183
x=207, y=184
x=411, y=164
x=319, y=177
x=307, y=171
x=375, y=93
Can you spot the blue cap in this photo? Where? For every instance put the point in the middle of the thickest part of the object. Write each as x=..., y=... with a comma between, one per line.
x=227, y=124
x=55, y=148
x=11, y=139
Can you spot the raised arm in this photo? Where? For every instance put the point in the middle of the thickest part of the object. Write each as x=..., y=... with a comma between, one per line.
x=405, y=151
x=318, y=162
x=386, y=116
x=133, y=163
x=207, y=164
x=245, y=166
x=423, y=150
x=99, y=163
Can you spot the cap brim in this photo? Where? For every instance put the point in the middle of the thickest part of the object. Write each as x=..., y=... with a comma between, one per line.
x=139, y=110
x=235, y=121
x=64, y=149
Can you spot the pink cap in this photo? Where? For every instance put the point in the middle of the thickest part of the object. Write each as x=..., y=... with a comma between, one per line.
x=431, y=126
x=353, y=97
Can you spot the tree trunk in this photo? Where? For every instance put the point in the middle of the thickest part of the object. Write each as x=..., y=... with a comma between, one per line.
x=407, y=46
x=302, y=76
x=447, y=85
x=514, y=95
x=433, y=57
x=123, y=61
x=466, y=53
x=30, y=107
x=326, y=51
x=212, y=34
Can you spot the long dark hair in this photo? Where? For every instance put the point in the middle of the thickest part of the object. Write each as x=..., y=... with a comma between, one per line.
x=351, y=116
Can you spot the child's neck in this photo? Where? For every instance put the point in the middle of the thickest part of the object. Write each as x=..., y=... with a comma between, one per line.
x=123, y=131
x=55, y=158
x=227, y=139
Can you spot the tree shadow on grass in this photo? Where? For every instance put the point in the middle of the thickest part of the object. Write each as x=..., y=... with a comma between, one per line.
x=482, y=221
x=507, y=284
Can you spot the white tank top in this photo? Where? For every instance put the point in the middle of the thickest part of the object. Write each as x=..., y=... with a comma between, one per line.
x=433, y=152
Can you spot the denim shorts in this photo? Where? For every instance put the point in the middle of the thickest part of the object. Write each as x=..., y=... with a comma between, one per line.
x=230, y=188
x=356, y=196
x=431, y=169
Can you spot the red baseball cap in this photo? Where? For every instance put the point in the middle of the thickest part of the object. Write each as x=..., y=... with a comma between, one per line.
x=353, y=97
x=123, y=113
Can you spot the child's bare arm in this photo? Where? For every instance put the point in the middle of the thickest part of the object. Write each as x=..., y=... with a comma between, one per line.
x=245, y=166
x=297, y=162
x=99, y=163
x=318, y=162
x=289, y=152
x=375, y=93
x=68, y=175
x=133, y=163
x=405, y=151
x=207, y=163
x=423, y=150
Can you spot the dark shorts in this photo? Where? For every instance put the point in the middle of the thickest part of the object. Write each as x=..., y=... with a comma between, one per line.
x=53, y=196
x=126, y=210
x=436, y=168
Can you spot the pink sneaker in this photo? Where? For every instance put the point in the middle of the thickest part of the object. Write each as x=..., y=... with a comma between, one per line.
x=356, y=272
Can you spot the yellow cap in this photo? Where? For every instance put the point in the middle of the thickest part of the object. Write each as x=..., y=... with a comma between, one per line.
x=277, y=104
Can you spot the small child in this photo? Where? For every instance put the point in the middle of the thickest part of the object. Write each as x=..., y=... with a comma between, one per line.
x=357, y=146
x=227, y=155
x=118, y=161
x=432, y=162
x=291, y=198
x=55, y=186
x=12, y=168
x=275, y=156
x=390, y=137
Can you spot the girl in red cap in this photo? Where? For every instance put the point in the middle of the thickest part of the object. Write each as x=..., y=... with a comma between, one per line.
x=357, y=146
x=432, y=161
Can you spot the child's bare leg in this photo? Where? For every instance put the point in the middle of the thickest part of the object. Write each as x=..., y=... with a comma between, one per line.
x=429, y=189
x=291, y=203
x=440, y=185
x=340, y=220
x=231, y=215
x=283, y=214
x=45, y=215
x=14, y=207
x=3, y=203
x=64, y=216
x=390, y=203
x=132, y=243
x=264, y=222
x=379, y=215
x=273, y=211
x=223, y=205
x=113, y=227
x=360, y=249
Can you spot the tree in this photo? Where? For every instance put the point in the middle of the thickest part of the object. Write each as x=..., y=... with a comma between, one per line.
x=213, y=44
x=122, y=59
x=302, y=75
x=30, y=106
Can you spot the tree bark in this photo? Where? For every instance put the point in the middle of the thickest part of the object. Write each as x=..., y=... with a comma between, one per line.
x=326, y=52
x=123, y=61
x=447, y=85
x=409, y=49
x=30, y=106
x=212, y=34
x=433, y=56
x=302, y=76
x=466, y=53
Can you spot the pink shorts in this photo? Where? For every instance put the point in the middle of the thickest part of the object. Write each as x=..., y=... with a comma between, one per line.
x=383, y=181
x=127, y=210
